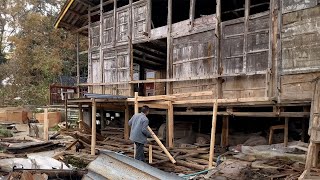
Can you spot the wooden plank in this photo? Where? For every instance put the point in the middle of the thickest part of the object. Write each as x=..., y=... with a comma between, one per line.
x=126, y=122
x=237, y=100
x=66, y=109
x=154, y=105
x=46, y=125
x=94, y=126
x=80, y=115
x=150, y=154
x=245, y=34
x=161, y=145
x=213, y=133
x=170, y=127
x=136, y=105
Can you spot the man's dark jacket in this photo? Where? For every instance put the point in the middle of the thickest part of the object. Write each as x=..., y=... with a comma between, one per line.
x=139, y=131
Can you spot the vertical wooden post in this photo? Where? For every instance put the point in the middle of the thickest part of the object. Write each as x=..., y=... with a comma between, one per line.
x=286, y=128
x=103, y=119
x=218, y=69
x=126, y=122
x=169, y=48
x=225, y=131
x=170, y=127
x=150, y=154
x=80, y=115
x=90, y=74
x=114, y=23
x=191, y=14
x=213, y=132
x=46, y=125
x=245, y=34
x=66, y=109
x=101, y=46
x=136, y=105
x=78, y=67
x=94, y=126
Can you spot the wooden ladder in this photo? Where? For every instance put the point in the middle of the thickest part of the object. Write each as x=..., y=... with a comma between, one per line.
x=314, y=130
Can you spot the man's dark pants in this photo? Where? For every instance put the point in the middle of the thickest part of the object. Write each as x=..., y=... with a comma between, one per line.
x=139, y=152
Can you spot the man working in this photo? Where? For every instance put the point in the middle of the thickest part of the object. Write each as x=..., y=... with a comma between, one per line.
x=139, y=131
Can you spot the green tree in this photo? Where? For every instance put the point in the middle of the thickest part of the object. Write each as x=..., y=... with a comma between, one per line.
x=40, y=53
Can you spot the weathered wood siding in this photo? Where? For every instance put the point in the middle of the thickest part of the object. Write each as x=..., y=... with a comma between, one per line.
x=194, y=55
x=254, y=57
x=301, y=41
x=140, y=21
x=296, y=5
x=300, y=53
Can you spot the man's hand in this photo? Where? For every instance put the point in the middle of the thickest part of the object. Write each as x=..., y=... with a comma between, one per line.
x=150, y=139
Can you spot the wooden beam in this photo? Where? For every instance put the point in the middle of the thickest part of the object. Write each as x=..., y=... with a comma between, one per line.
x=126, y=122
x=286, y=129
x=94, y=127
x=238, y=100
x=80, y=115
x=192, y=13
x=169, y=48
x=218, y=34
x=145, y=48
x=150, y=154
x=114, y=23
x=213, y=133
x=78, y=66
x=66, y=109
x=136, y=105
x=239, y=114
x=154, y=105
x=161, y=145
x=85, y=2
x=225, y=131
x=46, y=125
x=101, y=45
x=170, y=127
x=158, y=59
x=90, y=74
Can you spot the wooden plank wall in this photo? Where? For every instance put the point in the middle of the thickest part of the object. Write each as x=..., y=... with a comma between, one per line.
x=115, y=47
x=300, y=49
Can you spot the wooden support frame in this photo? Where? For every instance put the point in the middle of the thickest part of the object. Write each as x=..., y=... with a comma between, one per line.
x=80, y=115
x=169, y=88
x=170, y=125
x=101, y=46
x=192, y=14
x=245, y=34
x=78, y=66
x=150, y=154
x=136, y=104
x=161, y=145
x=93, y=126
x=213, y=133
x=46, y=125
x=225, y=129
x=126, y=122
x=286, y=131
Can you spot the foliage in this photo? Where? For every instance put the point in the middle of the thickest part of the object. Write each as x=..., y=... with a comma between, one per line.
x=5, y=133
x=38, y=52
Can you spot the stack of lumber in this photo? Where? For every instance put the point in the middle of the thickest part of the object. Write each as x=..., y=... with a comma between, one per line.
x=188, y=159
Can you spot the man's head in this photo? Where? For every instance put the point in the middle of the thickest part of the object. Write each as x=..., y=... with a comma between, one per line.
x=145, y=110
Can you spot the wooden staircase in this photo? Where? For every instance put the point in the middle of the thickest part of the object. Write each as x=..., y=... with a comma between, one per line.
x=314, y=131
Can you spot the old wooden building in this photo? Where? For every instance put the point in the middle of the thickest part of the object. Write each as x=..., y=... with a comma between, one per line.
x=258, y=58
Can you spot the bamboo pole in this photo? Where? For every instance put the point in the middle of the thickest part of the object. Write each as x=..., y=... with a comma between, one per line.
x=94, y=126
x=213, y=132
x=46, y=125
x=161, y=146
